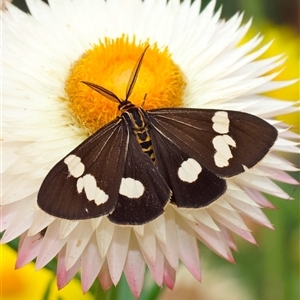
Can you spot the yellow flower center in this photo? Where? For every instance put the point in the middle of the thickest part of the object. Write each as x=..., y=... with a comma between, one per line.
x=109, y=64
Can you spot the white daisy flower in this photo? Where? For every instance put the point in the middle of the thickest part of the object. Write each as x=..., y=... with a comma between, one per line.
x=194, y=60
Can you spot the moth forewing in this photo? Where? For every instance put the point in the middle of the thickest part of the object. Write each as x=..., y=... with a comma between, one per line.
x=222, y=147
x=94, y=191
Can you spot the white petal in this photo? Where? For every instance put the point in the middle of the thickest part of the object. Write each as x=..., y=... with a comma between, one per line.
x=117, y=253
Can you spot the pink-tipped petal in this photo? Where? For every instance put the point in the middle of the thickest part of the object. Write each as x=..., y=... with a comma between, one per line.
x=227, y=217
x=157, y=268
x=228, y=237
x=188, y=248
x=259, y=198
x=147, y=242
x=64, y=276
x=51, y=245
x=212, y=239
x=104, y=277
x=90, y=268
x=262, y=184
x=245, y=234
x=169, y=275
x=29, y=250
x=280, y=175
x=117, y=252
x=253, y=212
x=134, y=268
x=171, y=248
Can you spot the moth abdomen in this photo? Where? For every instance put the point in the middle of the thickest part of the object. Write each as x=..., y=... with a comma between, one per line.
x=144, y=139
x=136, y=120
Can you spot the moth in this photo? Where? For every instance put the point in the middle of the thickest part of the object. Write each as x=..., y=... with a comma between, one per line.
x=131, y=168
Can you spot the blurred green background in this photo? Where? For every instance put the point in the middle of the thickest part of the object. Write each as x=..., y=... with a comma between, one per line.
x=270, y=271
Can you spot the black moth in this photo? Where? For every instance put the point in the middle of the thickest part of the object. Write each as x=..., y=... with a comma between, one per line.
x=130, y=169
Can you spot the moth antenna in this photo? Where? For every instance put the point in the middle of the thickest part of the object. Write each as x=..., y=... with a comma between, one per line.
x=144, y=100
x=103, y=91
x=134, y=75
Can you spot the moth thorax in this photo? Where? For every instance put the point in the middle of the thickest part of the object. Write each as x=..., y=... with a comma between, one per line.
x=125, y=105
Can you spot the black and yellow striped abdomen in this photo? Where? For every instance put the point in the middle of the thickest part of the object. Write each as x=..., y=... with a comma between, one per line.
x=140, y=129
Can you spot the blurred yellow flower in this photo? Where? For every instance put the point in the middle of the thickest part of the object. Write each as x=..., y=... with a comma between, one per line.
x=27, y=283
x=286, y=42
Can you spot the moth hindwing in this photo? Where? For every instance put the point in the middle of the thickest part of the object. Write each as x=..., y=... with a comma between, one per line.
x=130, y=169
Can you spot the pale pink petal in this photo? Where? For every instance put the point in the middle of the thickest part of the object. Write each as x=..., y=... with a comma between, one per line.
x=279, y=175
x=252, y=212
x=259, y=198
x=169, y=275
x=245, y=234
x=262, y=184
x=77, y=241
x=229, y=240
x=171, y=248
x=226, y=217
x=134, y=268
x=212, y=239
x=28, y=250
x=148, y=243
x=157, y=268
x=90, y=268
x=188, y=248
x=104, y=277
x=235, y=192
x=117, y=252
x=64, y=276
x=51, y=245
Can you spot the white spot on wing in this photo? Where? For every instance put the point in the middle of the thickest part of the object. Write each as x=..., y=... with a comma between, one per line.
x=223, y=153
x=221, y=122
x=131, y=188
x=79, y=185
x=75, y=166
x=101, y=197
x=189, y=170
x=89, y=185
